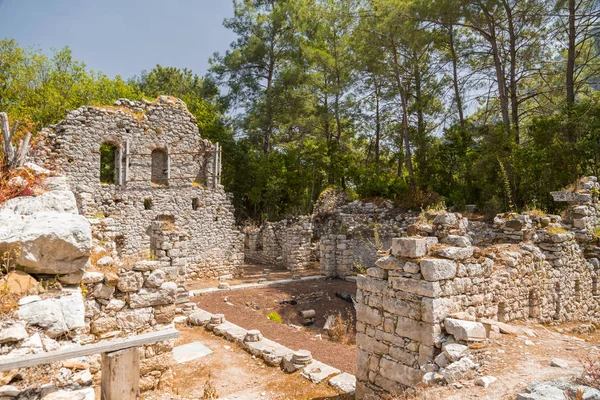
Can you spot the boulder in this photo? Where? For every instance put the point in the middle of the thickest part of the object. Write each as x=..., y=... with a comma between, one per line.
x=56, y=315
x=19, y=283
x=465, y=330
x=51, y=242
x=61, y=201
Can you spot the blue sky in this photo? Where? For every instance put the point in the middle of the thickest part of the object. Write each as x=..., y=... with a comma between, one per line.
x=122, y=36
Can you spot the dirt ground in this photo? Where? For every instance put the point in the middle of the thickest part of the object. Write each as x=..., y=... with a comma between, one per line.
x=249, y=309
x=252, y=273
x=518, y=361
x=235, y=374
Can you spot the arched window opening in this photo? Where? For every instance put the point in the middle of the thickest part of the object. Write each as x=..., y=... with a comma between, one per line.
x=108, y=163
x=160, y=167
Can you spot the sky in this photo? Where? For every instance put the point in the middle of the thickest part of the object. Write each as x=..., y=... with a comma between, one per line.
x=122, y=37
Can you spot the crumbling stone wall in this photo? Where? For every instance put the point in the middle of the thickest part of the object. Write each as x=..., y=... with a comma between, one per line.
x=336, y=256
x=135, y=299
x=408, y=304
x=285, y=243
x=188, y=190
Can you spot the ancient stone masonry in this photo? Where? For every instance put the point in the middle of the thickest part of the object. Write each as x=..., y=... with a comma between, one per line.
x=336, y=256
x=80, y=302
x=286, y=243
x=137, y=163
x=435, y=289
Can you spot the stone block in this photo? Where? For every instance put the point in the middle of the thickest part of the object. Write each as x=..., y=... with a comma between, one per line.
x=465, y=330
x=434, y=269
x=389, y=262
x=400, y=373
x=434, y=310
x=418, y=287
x=411, y=247
x=396, y=306
x=369, y=315
x=419, y=331
x=377, y=273
x=370, y=344
x=371, y=284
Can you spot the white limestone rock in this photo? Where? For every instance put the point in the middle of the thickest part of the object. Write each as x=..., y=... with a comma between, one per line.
x=51, y=242
x=90, y=277
x=455, y=253
x=130, y=281
x=61, y=201
x=465, y=330
x=13, y=333
x=9, y=391
x=389, y=262
x=166, y=294
x=344, y=382
x=57, y=315
x=485, y=381
x=434, y=269
x=461, y=369
x=155, y=279
x=557, y=362
x=83, y=394
x=455, y=351
x=412, y=247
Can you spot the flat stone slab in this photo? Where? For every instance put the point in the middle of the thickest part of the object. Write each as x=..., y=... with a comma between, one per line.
x=200, y=317
x=267, y=346
x=230, y=331
x=317, y=372
x=344, y=382
x=190, y=351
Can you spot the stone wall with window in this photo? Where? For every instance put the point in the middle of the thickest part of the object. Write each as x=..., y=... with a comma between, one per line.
x=135, y=163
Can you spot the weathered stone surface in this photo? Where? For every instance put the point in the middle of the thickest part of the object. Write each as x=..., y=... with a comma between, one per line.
x=454, y=253
x=400, y=373
x=83, y=394
x=317, y=372
x=156, y=278
x=9, y=391
x=57, y=315
x=166, y=294
x=51, y=242
x=435, y=310
x=434, y=269
x=19, y=283
x=557, y=362
x=456, y=240
x=389, y=262
x=344, y=382
x=90, y=277
x=412, y=247
x=200, y=318
x=130, y=320
x=103, y=291
x=14, y=333
x=418, y=287
x=485, y=381
x=464, y=368
x=465, y=330
x=61, y=201
x=130, y=281
x=455, y=351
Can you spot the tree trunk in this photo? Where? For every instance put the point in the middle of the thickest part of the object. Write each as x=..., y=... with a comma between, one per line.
x=377, y=125
x=457, y=96
x=570, y=78
x=513, y=70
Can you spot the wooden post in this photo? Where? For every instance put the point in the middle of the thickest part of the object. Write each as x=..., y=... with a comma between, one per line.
x=120, y=375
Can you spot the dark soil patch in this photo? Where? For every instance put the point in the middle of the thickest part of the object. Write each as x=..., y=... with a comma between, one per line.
x=239, y=307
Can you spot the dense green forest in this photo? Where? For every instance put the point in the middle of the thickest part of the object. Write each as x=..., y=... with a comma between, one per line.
x=487, y=102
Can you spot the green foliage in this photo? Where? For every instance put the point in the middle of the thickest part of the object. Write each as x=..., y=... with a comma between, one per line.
x=275, y=317
x=107, y=163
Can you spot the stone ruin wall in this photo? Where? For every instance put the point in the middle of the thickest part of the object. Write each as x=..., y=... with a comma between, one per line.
x=285, y=243
x=339, y=240
x=122, y=213
x=411, y=301
x=139, y=298
x=70, y=300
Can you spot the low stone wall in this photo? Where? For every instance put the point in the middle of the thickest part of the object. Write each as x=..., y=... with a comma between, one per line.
x=285, y=243
x=336, y=256
x=404, y=302
x=138, y=299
